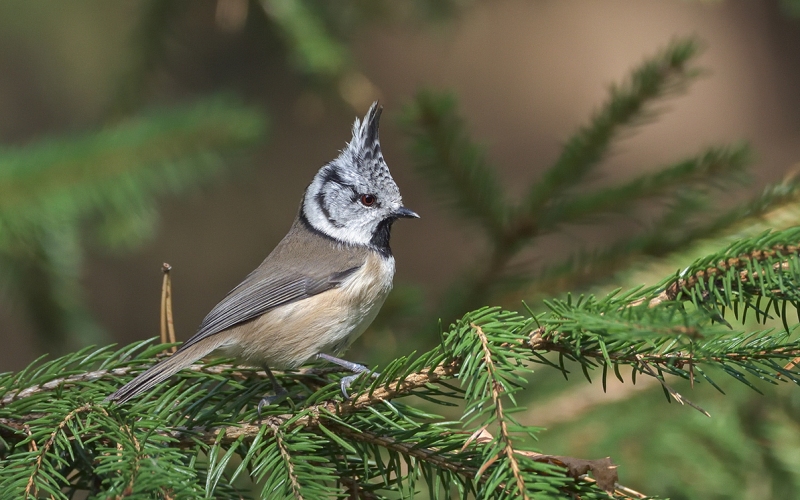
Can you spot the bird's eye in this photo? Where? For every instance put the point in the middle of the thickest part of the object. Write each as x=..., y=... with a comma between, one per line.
x=367, y=200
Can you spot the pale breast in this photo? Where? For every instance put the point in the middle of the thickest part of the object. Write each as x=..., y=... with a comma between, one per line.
x=288, y=336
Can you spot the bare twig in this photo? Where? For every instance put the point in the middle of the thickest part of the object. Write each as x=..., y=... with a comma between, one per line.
x=167, y=324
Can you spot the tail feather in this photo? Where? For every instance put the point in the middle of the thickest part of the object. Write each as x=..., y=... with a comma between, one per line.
x=162, y=371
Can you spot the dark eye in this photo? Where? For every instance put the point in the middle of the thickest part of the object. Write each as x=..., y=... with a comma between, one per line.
x=367, y=200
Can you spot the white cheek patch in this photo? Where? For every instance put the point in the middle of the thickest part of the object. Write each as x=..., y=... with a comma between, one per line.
x=353, y=233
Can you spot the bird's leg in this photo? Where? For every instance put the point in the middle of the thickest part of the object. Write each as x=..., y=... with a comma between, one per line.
x=277, y=388
x=353, y=367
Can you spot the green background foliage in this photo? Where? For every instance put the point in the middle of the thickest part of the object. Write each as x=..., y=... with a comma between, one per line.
x=695, y=300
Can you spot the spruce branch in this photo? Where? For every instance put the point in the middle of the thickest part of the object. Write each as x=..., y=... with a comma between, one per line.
x=287, y=460
x=327, y=446
x=313, y=415
x=774, y=206
x=709, y=165
x=496, y=391
x=457, y=169
x=313, y=48
x=110, y=180
x=780, y=258
x=30, y=487
x=455, y=166
x=667, y=73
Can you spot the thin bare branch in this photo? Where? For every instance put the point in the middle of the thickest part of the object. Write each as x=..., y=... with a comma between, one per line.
x=167, y=323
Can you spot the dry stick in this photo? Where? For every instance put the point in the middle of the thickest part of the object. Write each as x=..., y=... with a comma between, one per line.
x=167, y=325
x=497, y=389
x=165, y=270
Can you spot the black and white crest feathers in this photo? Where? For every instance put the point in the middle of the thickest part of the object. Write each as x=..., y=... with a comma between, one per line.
x=332, y=203
x=364, y=149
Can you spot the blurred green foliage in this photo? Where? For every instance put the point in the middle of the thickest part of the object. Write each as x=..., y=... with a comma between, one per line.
x=59, y=195
x=105, y=183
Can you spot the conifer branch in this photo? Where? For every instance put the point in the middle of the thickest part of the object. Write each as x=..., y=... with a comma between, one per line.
x=488, y=352
x=287, y=459
x=675, y=359
x=30, y=488
x=455, y=166
x=682, y=286
x=313, y=415
x=666, y=73
x=497, y=390
x=228, y=370
x=707, y=166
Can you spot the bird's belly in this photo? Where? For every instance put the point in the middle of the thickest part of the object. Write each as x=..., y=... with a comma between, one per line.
x=290, y=335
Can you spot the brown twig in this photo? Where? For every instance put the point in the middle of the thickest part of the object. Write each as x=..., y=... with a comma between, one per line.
x=167, y=324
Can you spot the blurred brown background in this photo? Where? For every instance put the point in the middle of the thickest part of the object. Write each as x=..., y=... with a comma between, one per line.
x=527, y=74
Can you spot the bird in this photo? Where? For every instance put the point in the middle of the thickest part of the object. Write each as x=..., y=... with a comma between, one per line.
x=319, y=288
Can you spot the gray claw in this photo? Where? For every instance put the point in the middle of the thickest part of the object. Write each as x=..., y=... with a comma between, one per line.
x=268, y=400
x=347, y=381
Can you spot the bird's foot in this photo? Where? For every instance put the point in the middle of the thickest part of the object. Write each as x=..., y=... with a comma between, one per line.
x=347, y=381
x=280, y=395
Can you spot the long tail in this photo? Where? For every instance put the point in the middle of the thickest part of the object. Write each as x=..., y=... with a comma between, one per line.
x=163, y=370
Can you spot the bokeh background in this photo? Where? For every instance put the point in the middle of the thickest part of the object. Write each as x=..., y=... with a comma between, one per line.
x=239, y=103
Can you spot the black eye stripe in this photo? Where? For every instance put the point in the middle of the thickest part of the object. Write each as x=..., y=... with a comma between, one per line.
x=322, y=203
x=331, y=175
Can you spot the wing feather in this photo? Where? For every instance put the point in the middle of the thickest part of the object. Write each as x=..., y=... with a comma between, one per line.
x=255, y=296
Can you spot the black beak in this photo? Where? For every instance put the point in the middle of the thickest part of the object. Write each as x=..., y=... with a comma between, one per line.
x=405, y=213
